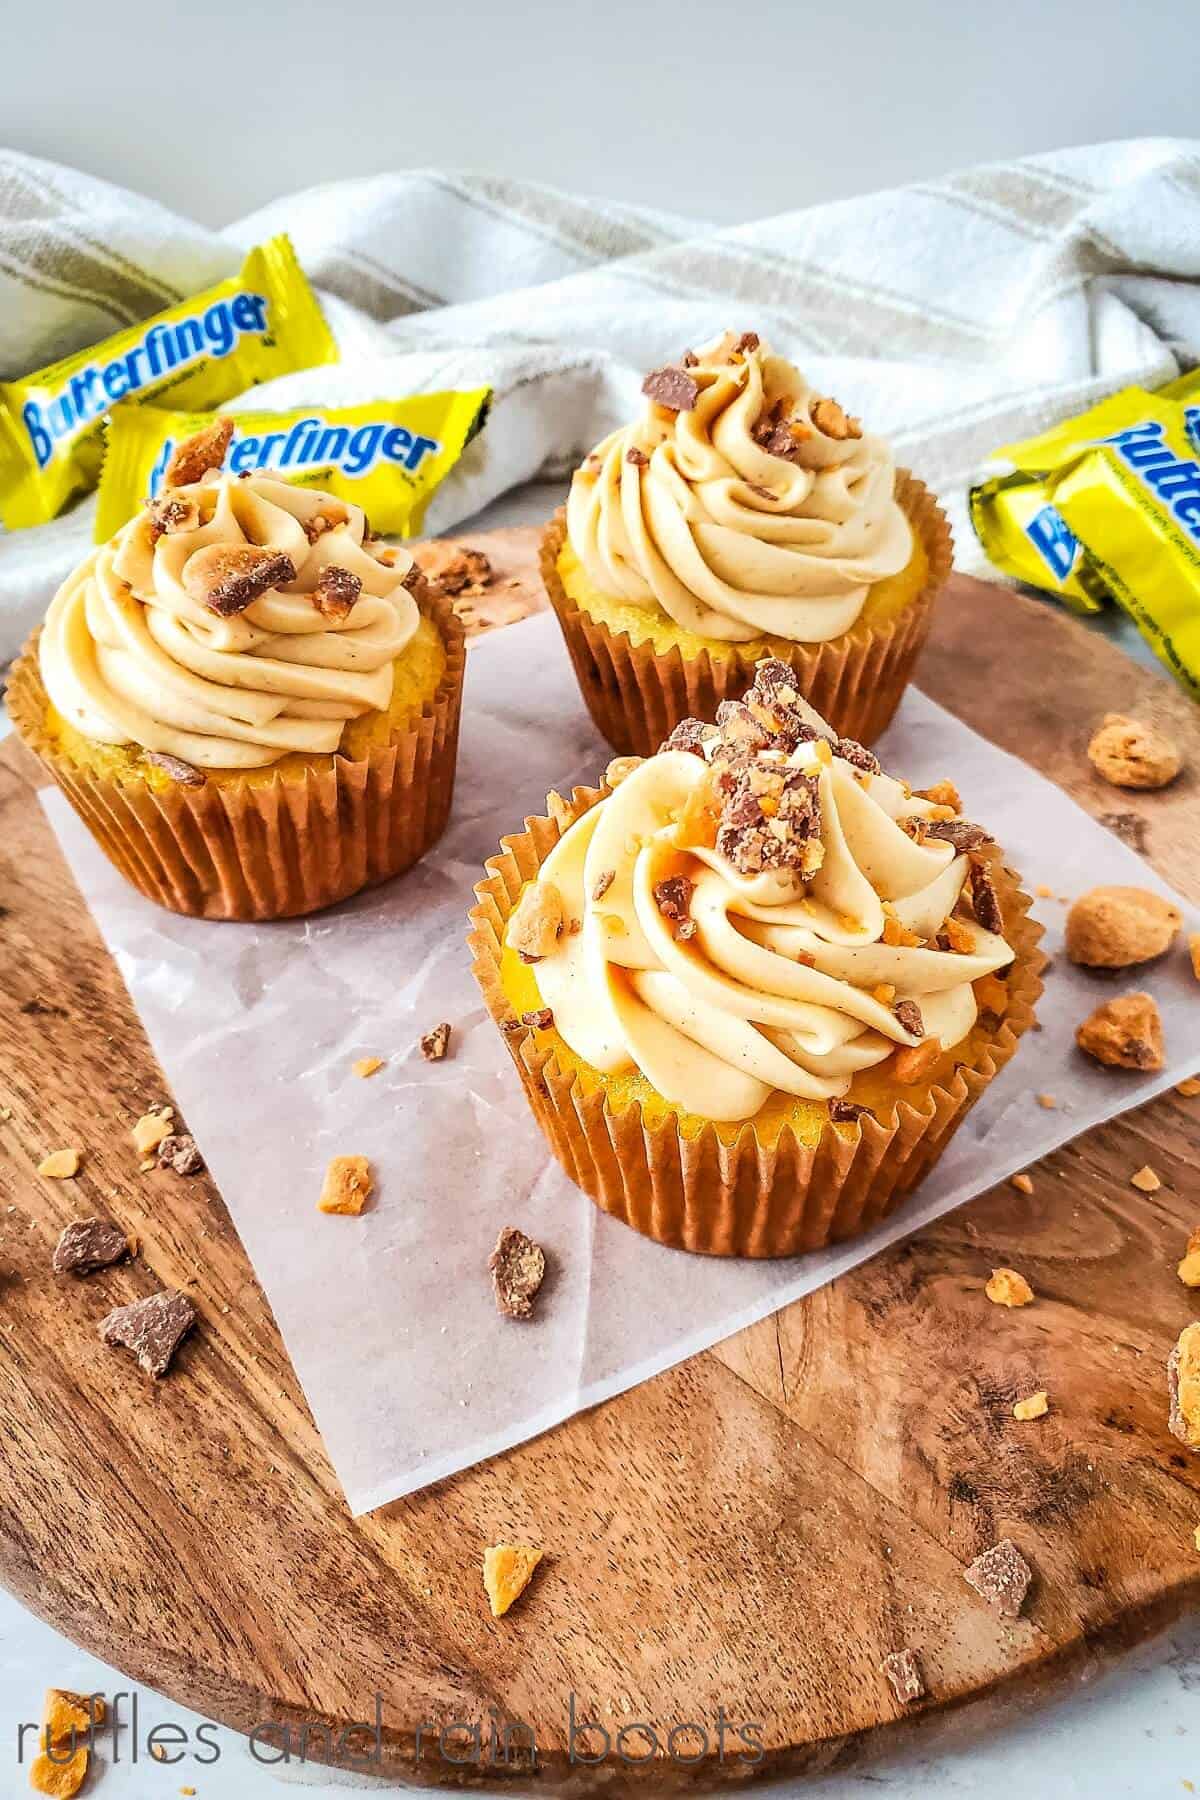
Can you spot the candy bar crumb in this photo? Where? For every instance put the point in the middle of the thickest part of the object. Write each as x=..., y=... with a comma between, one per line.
x=1183, y=1388
x=151, y=1329
x=1189, y=1088
x=518, y=1268
x=507, y=1570
x=60, y=1165
x=1113, y=927
x=1125, y=1033
x=64, y=1712
x=59, y=1780
x=1007, y=1288
x=904, y=1673
x=367, y=1066
x=1189, y=1269
x=435, y=1043
x=1035, y=1406
x=179, y=1151
x=152, y=1128
x=1022, y=1183
x=537, y=921
x=1145, y=1179
x=1047, y=1102
x=88, y=1245
x=1001, y=1576
x=347, y=1186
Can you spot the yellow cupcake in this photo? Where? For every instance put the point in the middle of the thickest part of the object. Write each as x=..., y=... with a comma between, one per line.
x=252, y=704
x=734, y=1037
x=742, y=516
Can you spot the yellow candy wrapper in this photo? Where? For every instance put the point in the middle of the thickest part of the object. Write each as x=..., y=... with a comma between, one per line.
x=262, y=322
x=1024, y=533
x=386, y=456
x=1133, y=498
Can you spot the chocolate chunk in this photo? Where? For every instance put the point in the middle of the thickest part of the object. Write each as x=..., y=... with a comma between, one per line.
x=690, y=734
x=435, y=1043
x=742, y=728
x=908, y=1015
x=179, y=1152
x=151, y=1329
x=673, y=388
x=1002, y=1577
x=1129, y=827
x=904, y=1673
x=689, y=359
x=88, y=1245
x=227, y=578
x=784, y=440
x=851, y=751
x=541, y=1019
x=335, y=592
x=176, y=768
x=518, y=1268
x=959, y=832
x=749, y=340
x=673, y=898
x=846, y=1111
x=196, y=456
x=771, y=818
x=172, y=513
x=637, y=457
x=985, y=902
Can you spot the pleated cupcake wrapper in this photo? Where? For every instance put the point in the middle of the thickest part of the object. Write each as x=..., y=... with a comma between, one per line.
x=637, y=695
x=748, y=1197
x=236, y=850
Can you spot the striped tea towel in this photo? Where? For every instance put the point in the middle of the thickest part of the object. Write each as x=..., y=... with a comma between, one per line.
x=954, y=315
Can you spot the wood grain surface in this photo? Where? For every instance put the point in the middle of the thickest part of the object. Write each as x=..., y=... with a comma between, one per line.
x=745, y=1537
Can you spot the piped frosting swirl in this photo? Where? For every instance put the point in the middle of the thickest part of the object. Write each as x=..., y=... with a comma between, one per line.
x=759, y=908
x=232, y=621
x=743, y=502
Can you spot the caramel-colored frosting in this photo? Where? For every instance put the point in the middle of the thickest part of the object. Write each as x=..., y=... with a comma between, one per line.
x=742, y=502
x=152, y=642
x=764, y=910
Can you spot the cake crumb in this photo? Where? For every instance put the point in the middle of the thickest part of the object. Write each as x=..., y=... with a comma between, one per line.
x=537, y=921
x=366, y=1066
x=1001, y=1576
x=60, y=1165
x=1008, y=1288
x=507, y=1571
x=1145, y=1179
x=1022, y=1183
x=904, y=1674
x=1113, y=927
x=1034, y=1406
x=347, y=1186
x=1129, y=754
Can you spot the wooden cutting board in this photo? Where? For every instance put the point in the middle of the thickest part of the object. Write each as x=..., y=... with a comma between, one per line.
x=752, y=1532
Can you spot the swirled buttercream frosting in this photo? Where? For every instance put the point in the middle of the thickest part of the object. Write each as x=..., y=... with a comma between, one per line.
x=742, y=503
x=230, y=622
x=759, y=908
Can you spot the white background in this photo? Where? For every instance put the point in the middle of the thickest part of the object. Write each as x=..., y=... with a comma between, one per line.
x=714, y=111
x=708, y=108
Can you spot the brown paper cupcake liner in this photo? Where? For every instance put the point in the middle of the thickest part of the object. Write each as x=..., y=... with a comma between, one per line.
x=233, y=850
x=637, y=695
x=748, y=1197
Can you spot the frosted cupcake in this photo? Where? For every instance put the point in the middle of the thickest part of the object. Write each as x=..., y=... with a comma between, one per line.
x=743, y=515
x=753, y=988
x=252, y=704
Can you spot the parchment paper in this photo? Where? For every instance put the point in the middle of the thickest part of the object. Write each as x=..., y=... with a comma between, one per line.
x=389, y=1318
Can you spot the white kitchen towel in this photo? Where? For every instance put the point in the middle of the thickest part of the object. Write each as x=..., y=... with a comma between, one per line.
x=954, y=315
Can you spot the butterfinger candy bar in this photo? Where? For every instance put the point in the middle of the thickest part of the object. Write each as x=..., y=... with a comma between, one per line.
x=387, y=456
x=260, y=323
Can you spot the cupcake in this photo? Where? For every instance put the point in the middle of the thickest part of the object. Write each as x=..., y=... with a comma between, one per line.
x=752, y=985
x=251, y=703
x=742, y=516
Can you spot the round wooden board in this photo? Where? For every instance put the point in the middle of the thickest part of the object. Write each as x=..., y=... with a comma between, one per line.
x=744, y=1537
